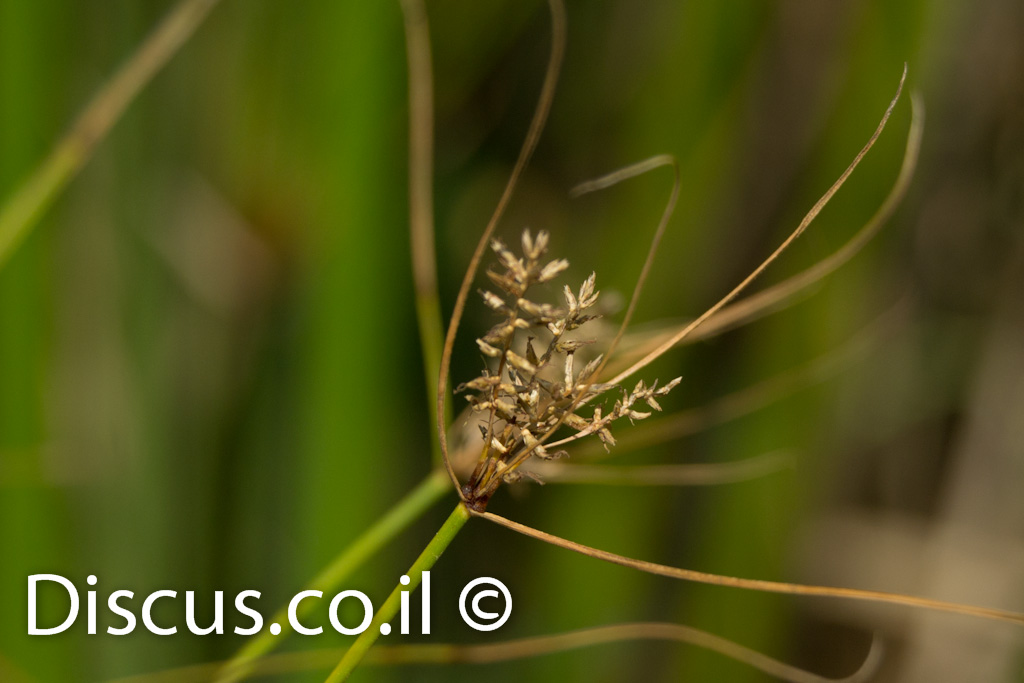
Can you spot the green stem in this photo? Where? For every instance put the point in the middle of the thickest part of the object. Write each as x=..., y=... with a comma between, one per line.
x=428, y=315
x=460, y=515
x=410, y=508
x=421, y=204
x=23, y=210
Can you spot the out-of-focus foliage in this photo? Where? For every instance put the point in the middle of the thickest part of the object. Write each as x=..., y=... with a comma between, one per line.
x=209, y=370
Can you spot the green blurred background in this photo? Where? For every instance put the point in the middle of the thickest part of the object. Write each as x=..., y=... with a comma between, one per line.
x=210, y=373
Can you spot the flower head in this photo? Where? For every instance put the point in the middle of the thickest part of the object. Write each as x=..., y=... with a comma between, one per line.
x=534, y=385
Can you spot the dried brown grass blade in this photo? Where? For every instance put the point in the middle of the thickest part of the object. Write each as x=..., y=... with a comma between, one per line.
x=692, y=474
x=521, y=648
x=786, y=292
x=695, y=324
x=690, y=327
x=536, y=646
x=540, y=115
x=757, y=584
x=777, y=296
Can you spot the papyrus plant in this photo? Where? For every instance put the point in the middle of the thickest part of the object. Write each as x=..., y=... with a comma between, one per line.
x=536, y=398
x=523, y=410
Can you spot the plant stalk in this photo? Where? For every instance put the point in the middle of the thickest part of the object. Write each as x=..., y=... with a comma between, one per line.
x=421, y=203
x=25, y=207
x=442, y=539
x=400, y=516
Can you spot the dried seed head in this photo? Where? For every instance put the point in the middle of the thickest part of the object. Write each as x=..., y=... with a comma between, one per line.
x=543, y=390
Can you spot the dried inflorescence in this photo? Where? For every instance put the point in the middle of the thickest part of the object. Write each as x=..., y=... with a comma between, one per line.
x=535, y=387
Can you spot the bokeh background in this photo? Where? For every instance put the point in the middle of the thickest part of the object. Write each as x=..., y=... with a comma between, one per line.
x=210, y=373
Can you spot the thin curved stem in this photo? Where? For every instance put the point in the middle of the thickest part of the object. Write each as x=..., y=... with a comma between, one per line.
x=710, y=313
x=801, y=228
x=778, y=295
x=540, y=116
x=784, y=293
x=758, y=584
x=524, y=648
x=615, y=633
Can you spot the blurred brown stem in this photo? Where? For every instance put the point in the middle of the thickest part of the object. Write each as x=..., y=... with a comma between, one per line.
x=421, y=202
x=519, y=648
